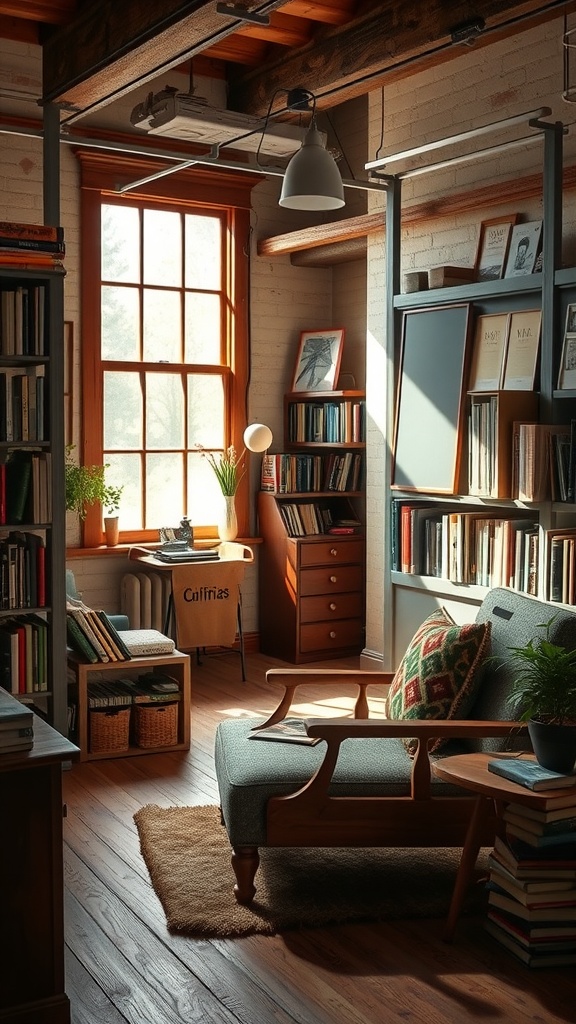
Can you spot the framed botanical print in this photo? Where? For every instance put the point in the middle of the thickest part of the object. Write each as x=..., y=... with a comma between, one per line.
x=318, y=360
x=493, y=247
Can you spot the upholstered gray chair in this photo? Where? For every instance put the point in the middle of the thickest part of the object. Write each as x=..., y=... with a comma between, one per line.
x=360, y=787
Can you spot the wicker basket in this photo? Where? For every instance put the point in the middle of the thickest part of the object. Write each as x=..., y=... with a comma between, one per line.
x=109, y=730
x=156, y=725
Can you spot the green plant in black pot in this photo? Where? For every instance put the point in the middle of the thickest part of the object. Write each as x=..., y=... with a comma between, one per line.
x=544, y=696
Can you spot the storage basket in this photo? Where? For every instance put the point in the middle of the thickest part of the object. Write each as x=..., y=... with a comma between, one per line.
x=109, y=730
x=156, y=725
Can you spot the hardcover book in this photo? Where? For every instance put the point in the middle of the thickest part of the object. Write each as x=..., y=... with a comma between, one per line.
x=530, y=774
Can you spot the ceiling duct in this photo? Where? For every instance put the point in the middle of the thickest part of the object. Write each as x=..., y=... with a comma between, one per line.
x=179, y=115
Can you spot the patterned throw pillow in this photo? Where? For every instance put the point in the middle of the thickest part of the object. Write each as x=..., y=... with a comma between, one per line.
x=437, y=677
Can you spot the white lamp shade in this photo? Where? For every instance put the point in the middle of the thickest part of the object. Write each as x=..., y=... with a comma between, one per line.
x=257, y=437
x=312, y=180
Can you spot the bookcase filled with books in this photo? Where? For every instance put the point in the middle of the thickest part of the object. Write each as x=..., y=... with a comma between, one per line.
x=311, y=516
x=32, y=529
x=482, y=431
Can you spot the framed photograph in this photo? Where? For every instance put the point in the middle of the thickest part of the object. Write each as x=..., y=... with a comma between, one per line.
x=567, y=375
x=318, y=361
x=524, y=249
x=493, y=247
x=522, y=350
x=488, y=352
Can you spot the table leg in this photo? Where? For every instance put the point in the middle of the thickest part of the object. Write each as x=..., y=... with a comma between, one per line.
x=480, y=814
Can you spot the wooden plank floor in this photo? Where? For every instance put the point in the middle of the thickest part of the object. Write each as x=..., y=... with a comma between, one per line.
x=123, y=966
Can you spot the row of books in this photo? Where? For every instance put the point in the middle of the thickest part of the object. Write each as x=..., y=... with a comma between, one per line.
x=24, y=654
x=465, y=547
x=532, y=869
x=92, y=636
x=22, y=570
x=22, y=318
x=26, y=487
x=22, y=404
x=16, y=725
x=327, y=422
x=286, y=474
x=304, y=519
x=147, y=689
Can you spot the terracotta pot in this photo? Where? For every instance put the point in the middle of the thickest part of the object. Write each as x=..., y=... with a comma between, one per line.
x=111, y=530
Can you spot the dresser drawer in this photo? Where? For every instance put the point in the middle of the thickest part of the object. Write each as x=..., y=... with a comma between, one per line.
x=327, y=636
x=331, y=606
x=335, y=579
x=327, y=552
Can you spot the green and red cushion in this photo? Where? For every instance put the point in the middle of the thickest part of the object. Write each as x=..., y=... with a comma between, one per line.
x=438, y=676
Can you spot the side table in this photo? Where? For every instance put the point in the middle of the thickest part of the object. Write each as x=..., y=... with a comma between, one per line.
x=470, y=771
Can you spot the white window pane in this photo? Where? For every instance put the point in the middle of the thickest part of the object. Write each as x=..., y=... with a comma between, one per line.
x=126, y=471
x=203, y=252
x=204, y=494
x=123, y=407
x=120, y=244
x=164, y=411
x=202, y=328
x=164, y=489
x=120, y=329
x=205, y=411
x=162, y=326
x=162, y=248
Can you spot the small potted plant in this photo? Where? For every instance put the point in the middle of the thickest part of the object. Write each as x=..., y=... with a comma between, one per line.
x=85, y=485
x=544, y=695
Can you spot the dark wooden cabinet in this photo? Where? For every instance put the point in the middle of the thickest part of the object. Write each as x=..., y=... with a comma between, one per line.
x=32, y=919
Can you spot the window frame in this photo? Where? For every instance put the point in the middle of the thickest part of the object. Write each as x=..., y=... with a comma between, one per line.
x=190, y=190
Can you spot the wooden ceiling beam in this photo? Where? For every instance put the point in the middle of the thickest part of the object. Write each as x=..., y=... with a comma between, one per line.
x=389, y=40
x=108, y=48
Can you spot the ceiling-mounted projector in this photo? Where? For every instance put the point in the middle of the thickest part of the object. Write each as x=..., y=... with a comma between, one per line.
x=180, y=115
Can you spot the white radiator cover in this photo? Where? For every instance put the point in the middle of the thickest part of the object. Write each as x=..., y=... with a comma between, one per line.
x=144, y=598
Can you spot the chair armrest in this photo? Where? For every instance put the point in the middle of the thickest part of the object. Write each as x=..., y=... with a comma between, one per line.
x=291, y=679
x=335, y=731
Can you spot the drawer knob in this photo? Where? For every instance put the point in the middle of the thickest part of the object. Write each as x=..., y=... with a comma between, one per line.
x=332, y=634
x=333, y=579
x=334, y=551
x=332, y=606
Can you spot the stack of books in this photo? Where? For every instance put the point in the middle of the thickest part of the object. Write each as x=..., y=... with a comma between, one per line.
x=31, y=246
x=16, y=725
x=91, y=635
x=532, y=881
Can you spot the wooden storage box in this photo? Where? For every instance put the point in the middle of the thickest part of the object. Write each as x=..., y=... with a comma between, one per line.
x=109, y=730
x=156, y=725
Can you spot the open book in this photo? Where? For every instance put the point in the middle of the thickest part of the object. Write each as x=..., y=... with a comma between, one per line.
x=291, y=730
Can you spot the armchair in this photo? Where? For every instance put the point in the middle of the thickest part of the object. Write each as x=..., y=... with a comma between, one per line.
x=360, y=787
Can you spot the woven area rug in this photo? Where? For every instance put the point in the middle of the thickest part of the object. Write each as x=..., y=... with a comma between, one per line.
x=187, y=854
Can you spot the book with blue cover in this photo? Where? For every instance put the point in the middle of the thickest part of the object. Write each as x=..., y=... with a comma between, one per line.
x=530, y=774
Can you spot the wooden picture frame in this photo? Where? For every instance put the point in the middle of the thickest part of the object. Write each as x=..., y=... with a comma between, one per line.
x=567, y=372
x=318, y=360
x=68, y=357
x=493, y=242
x=430, y=406
x=488, y=352
x=522, y=350
x=523, y=249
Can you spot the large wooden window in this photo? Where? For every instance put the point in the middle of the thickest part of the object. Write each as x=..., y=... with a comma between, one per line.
x=164, y=339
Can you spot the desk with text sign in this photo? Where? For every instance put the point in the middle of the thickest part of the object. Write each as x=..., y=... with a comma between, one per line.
x=205, y=605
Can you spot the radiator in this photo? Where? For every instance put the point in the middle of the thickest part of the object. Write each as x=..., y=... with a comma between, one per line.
x=144, y=599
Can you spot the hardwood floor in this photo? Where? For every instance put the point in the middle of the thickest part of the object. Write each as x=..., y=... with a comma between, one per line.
x=123, y=965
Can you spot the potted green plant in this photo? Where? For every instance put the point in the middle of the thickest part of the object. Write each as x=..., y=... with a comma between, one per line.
x=544, y=696
x=85, y=486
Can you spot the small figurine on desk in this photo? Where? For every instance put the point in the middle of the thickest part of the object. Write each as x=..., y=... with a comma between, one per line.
x=177, y=538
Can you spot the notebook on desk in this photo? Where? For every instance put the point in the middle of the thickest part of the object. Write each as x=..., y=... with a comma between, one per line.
x=191, y=555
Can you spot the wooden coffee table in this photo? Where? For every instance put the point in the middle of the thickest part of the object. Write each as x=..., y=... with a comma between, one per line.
x=470, y=771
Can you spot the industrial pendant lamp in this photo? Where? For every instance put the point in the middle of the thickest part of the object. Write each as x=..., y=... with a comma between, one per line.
x=312, y=180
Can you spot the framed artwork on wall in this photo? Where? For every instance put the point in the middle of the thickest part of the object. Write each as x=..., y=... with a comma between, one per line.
x=318, y=360
x=567, y=375
x=524, y=249
x=493, y=247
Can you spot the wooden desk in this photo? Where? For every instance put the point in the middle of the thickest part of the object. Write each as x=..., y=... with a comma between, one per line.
x=470, y=771
x=32, y=916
